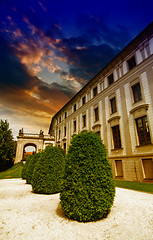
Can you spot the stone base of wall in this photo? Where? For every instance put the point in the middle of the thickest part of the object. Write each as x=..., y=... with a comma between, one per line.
x=139, y=169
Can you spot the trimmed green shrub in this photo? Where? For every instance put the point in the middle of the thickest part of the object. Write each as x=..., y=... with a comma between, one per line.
x=48, y=172
x=24, y=170
x=62, y=151
x=31, y=166
x=88, y=188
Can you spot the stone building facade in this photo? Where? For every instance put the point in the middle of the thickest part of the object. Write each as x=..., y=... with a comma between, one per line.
x=117, y=104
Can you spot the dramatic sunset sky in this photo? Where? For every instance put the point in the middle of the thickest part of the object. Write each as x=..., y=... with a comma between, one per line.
x=50, y=49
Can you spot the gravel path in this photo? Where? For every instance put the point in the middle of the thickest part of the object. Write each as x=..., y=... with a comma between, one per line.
x=27, y=216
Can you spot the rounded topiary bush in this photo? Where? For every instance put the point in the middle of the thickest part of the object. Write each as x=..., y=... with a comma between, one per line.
x=88, y=188
x=31, y=166
x=24, y=170
x=48, y=172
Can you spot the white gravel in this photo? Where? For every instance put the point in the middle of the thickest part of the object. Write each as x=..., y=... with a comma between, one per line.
x=27, y=216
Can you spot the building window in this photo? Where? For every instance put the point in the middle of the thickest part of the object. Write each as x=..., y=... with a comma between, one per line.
x=113, y=105
x=74, y=107
x=84, y=121
x=148, y=168
x=65, y=131
x=143, y=131
x=137, y=92
x=65, y=114
x=83, y=100
x=110, y=79
x=65, y=147
x=131, y=62
x=59, y=134
x=95, y=91
x=96, y=114
x=59, y=119
x=119, y=168
x=116, y=136
x=74, y=126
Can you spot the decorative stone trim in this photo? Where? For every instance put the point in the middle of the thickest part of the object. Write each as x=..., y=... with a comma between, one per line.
x=64, y=139
x=113, y=119
x=145, y=106
x=117, y=150
x=84, y=130
x=140, y=110
x=98, y=125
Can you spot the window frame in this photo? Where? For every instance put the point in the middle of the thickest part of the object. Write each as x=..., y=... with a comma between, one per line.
x=74, y=126
x=116, y=137
x=96, y=114
x=65, y=131
x=64, y=146
x=74, y=107
x=95, y=91
x=110, y=79
x=131, y=62
x=84, y=121
x=113, y=105
x=83, y=100
x=137, y=93
x=143, y=133
x=65, y=114
x=59, y=134
x=119, y=168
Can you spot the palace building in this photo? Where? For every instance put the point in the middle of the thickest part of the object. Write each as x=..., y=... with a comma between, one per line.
x=117, y=104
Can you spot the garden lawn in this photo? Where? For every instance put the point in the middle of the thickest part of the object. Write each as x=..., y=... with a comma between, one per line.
x=139, y=186
x=13, y=172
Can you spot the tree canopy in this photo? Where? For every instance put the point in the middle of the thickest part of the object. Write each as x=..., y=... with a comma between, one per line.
x=7, y=146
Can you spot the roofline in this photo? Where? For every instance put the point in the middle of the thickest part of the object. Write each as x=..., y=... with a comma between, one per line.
x=144, y=32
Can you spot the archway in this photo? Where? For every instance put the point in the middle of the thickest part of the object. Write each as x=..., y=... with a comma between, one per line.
x=38, y=141
x=29, y=149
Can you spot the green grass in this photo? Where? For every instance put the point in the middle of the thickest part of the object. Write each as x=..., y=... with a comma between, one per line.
x=13, y=172
x=138, y=186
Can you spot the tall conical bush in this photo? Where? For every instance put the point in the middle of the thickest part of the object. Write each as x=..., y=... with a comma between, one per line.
x=31, y=166
x=88, y=189
x=48, y=172
x=24, y=170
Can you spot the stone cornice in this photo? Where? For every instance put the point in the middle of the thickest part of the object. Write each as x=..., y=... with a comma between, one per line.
x=142, y=106
x=113, y=118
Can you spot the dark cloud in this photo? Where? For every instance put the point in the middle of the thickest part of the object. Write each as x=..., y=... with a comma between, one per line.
x=12, y=72
x=67, y=90
x=85, y=54
x=22, y=91
x=88, y=53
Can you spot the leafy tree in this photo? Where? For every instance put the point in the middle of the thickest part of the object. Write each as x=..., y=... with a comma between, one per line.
x=88, y=189
x=7, y=146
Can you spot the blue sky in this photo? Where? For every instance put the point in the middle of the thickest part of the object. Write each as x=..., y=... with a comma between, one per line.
x=51, y=49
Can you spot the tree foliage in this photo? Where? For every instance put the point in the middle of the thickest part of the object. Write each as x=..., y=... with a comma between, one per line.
x=7, y=146
x=88, y=189
x=48, y=172
x=25, y=167
x=31, y=165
